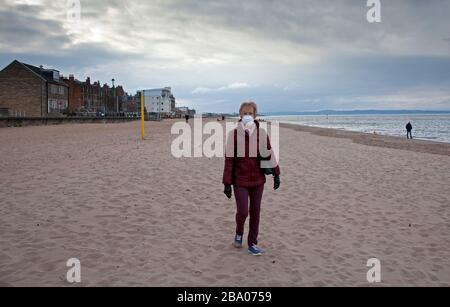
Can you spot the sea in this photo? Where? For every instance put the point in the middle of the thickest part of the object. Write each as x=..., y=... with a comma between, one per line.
x=431, y=127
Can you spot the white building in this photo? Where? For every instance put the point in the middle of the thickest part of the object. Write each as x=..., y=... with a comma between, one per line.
x=159, y=100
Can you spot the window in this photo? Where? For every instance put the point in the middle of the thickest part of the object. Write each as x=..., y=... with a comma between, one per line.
x=4, y=112
x=53, y=89
x=51, y=105
x=55, y=105
x=56, y=75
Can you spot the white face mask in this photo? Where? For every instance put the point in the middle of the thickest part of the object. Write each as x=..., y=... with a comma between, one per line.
x=247, y=120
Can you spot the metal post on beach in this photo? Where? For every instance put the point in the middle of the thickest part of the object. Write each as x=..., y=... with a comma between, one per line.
x=142, y=116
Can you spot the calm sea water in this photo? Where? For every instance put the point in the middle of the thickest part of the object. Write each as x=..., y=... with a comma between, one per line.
x=426, y=127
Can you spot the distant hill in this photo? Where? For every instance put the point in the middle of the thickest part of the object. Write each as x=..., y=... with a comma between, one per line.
x=357, y=112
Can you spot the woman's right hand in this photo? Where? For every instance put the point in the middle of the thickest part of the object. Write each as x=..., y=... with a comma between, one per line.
x=276, y=182
x=227, y=191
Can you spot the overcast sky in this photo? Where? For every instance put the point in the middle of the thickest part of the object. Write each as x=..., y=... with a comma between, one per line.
x=287, y=55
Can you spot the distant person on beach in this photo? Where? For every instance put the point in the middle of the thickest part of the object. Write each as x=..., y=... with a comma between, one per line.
x=409, y=131
x=187, y=118
x=243, y=171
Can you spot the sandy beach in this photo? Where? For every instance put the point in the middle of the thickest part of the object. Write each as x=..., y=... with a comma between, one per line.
x=136, y=216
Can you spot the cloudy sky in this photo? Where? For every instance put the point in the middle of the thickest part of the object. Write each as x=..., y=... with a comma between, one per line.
x=287, y=55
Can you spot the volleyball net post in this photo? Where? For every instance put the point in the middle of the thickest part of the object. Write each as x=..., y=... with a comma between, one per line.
x=142, y=116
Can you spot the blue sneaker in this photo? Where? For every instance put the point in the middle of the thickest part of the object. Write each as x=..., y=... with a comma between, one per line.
x=237, y=241
x=255, y=250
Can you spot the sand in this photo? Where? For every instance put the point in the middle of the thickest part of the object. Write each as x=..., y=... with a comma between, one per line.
x=136, y=216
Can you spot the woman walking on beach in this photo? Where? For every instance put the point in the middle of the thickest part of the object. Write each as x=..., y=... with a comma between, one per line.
x=243, y=170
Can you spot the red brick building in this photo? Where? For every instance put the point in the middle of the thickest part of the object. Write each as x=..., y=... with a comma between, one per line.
x=26, y=90
x=75, y=94
x=93, y=97
x=32, y=91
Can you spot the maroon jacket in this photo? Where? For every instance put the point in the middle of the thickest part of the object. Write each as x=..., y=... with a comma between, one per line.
x=241, y=169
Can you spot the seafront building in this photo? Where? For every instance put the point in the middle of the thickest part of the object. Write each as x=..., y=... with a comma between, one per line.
x=27, y=90
x=159, y=101
x=31, y=91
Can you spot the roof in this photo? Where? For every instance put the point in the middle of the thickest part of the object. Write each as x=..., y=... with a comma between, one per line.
x=163, y=89
x=45, y=74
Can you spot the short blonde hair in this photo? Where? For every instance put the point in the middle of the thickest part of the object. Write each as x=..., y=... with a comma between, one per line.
x=249, y=104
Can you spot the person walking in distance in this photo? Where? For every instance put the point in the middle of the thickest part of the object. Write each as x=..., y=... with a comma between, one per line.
x=409, y=130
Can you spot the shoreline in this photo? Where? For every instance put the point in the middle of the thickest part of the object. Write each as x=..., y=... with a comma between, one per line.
x=379, y=140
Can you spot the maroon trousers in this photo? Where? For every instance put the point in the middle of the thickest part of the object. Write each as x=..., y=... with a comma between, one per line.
x=242, y=196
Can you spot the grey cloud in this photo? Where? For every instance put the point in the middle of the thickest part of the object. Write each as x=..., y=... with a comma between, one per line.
x=80, y=56
x=209, y=44
x=20, y=29
x=322, y=23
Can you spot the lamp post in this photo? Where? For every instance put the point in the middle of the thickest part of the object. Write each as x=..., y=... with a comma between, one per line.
x=114, y=94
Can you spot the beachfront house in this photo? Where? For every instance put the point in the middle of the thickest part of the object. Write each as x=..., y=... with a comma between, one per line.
x=27, y=90
x=159, y=101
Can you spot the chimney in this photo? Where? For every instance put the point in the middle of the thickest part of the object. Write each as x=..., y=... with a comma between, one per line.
x=88, y=80
x=71, y=77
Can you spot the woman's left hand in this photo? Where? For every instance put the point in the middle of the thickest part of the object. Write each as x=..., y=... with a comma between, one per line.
x=227, y=190
x=276, y=182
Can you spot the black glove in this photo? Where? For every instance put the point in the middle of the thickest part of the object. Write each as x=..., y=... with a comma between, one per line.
x=227, y=191
x=276, y=182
